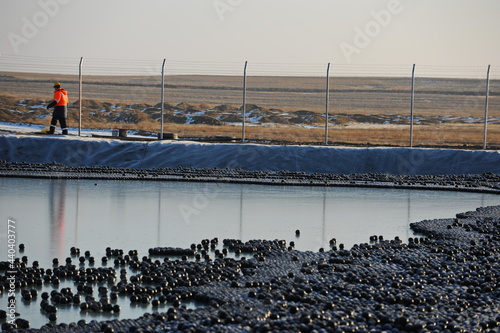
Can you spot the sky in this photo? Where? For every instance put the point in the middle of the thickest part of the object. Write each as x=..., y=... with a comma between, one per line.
x=429, y=32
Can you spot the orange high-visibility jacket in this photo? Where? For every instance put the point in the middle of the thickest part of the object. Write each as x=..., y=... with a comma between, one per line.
x=61, y=97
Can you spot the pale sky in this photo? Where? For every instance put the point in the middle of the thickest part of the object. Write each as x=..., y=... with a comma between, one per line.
x=429, y=32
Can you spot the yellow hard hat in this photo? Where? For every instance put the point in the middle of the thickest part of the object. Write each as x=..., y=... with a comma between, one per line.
x=57, y=84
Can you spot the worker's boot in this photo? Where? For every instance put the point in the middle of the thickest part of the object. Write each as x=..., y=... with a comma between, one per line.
x=51, y=130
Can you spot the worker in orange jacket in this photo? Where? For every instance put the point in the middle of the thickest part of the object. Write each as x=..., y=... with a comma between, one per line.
x=60, y=113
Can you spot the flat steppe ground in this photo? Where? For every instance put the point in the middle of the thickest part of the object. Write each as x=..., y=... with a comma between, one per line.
x=362, y=110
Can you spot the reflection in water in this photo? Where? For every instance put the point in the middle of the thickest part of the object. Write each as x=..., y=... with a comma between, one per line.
x=57, y=197
x=324, y=216
x=159, y=216
x=241, y=214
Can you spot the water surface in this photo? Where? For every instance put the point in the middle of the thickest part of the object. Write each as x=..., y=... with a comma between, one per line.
x=54, y=215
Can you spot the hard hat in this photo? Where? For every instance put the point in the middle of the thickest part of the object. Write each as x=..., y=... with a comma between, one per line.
x=57, y=84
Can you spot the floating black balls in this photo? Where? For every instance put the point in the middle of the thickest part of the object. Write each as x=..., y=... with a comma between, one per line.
x=51, y=309
x=297, y=232
x=107, y=329
x=7, y=327
x=26, y=296
x=107, y=307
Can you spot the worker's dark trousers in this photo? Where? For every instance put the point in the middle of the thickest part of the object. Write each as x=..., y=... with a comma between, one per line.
x=60, y=114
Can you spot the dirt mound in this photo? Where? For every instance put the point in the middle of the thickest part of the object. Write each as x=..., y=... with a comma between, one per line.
x=188, y=107
x=225, y=108
x=230, y=118
x=7, y=100
x=297, y=120
x=250, y=107
x=341, y=119
x=151, y=110
x=206, y=120
x=304, y=113
x=370, y=119
x=166, y=106
x=139, y=106
x=175, y=119
x=274, y=119
x=90, y=104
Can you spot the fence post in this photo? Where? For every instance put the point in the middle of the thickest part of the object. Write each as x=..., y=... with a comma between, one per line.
x=80, y=97
x=411, y=104
x=327, y=98
x=244, y=102
x=162, y=98
x=486, y=105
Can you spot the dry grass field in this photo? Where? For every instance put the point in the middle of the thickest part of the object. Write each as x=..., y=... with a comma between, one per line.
x=362, y=111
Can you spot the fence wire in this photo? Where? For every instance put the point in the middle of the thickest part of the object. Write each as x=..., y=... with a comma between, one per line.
x=368, y=104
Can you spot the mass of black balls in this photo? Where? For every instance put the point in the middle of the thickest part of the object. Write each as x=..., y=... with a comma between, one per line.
x=486, y=182
x=446, y=280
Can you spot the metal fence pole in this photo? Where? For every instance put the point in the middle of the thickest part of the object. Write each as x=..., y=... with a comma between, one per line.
x=244, y=102
x=486, y=105
x=162, y=98
x=411, y=104
x=80, y=97
x=327, y=99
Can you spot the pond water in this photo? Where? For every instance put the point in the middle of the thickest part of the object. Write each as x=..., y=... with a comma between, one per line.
x=51, y=216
